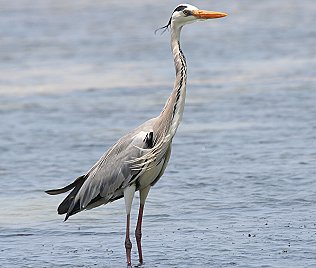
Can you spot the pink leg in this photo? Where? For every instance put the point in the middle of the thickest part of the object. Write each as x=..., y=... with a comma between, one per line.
x=128, y=243
x=138, y=233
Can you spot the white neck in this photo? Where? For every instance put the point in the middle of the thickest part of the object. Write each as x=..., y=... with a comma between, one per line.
x=173, y=110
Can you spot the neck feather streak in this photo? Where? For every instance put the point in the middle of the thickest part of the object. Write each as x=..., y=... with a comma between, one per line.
x=171, y=115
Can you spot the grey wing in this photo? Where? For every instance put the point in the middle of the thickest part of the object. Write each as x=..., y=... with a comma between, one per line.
x=106, y=180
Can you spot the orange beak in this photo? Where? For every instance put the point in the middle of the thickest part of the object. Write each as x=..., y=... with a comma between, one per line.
x=204, y=14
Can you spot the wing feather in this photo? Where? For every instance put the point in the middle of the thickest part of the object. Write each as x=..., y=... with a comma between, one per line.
x=114, y=169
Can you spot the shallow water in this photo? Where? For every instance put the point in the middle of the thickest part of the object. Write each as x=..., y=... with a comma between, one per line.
x=240, y=189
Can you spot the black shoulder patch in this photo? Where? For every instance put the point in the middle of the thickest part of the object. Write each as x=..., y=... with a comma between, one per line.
x=180, y=8
x=149, y=139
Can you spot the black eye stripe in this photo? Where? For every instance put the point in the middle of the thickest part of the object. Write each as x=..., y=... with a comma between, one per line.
x=180, y=8
x=187, y=12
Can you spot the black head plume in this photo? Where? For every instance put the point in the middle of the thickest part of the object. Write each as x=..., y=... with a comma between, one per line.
x=180, y=8
x=164, y=28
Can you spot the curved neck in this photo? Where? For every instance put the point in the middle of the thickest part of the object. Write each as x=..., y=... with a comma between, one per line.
x=171, y=115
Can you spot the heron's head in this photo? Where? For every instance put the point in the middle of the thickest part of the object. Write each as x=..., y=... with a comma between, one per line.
x=185, y=14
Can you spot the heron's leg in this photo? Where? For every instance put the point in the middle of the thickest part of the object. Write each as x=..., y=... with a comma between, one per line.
x=128, y=243
x=138, y=231
x=128, y=197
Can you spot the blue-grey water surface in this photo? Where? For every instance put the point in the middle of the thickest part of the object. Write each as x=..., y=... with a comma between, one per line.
x=240, y=189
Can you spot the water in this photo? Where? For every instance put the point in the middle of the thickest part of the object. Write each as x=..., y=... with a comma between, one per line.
x=240, y=188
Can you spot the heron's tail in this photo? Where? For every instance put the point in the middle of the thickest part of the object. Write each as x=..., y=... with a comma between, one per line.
x=65, y=205
x=67, y=188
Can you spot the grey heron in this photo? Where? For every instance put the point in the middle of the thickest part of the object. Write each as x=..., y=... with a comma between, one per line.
x=137, y=160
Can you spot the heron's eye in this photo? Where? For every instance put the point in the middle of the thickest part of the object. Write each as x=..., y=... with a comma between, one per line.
x=187, y=12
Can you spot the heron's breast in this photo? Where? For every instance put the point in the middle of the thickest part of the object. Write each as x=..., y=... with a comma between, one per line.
x=150, y=175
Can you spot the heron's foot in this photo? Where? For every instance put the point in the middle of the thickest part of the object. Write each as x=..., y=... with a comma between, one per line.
x=140, y=264
x=128, y=247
